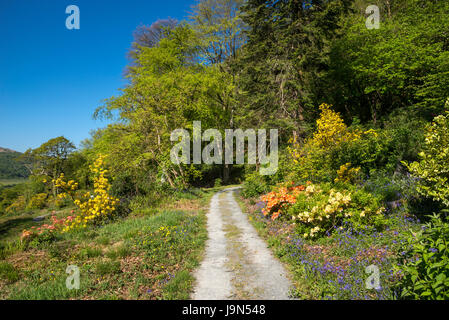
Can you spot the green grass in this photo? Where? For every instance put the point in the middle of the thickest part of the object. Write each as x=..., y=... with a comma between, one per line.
x=12, y=182
x=137, y=257
x=8, y=272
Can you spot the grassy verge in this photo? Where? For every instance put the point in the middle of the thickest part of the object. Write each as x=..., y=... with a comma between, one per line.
x=11, y=182
x=334, y=267
x=142, y=256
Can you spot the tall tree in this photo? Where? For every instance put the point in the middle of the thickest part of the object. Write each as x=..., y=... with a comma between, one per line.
x=220, y=28
x=286, y=53
x=401, y=65
x=49, y=159
x=168, y=89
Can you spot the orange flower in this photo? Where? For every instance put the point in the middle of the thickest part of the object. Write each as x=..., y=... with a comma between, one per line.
x=280, y=200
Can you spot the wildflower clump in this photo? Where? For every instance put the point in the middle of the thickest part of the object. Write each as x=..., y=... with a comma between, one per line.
x=94, y=207
x=45, y=232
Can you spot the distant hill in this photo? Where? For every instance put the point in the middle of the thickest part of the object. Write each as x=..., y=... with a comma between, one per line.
x=10, y=168
x=6, y=150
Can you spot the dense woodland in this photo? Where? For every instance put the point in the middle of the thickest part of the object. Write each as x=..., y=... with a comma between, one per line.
x=10, y=165
x=363, y=120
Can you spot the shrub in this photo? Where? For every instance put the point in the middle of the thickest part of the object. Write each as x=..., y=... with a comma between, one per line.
x=433, y=169
x=95, y=207
x=18, y=205
x=8, y=195
x=217, y=183
x=254, y=185
x=425, y=268
x=44, y=233
x=37, y=201
x=386, y=187
x=346, y=174
x=58, y=202
x=332, y=145
x=331, y=130
x=278, y=201
x=366, y=152
x=319, y=210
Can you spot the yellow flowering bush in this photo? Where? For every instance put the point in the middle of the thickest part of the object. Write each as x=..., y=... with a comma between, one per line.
x=331, y=129
x=319, y=157
x=346, y=174
x=94, y=207
x=38, y=201
x=320, y=209
x=18, y=205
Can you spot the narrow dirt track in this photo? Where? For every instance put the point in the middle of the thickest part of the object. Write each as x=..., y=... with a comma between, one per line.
x=237, y=263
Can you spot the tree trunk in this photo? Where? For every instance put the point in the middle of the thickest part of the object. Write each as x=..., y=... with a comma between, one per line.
x=226, y=171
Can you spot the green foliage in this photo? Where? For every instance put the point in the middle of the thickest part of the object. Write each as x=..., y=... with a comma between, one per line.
x=11, y=167
x=8, y=272
x=38, y=201
x=49, y=158
x=167, y=79
x=403, y=64
x=107, y=268
x=8, y=195
x=433, y=168
x=283, y=59
x=18, y=205
x=254, y=185
x=426, y=265
x=217, y=183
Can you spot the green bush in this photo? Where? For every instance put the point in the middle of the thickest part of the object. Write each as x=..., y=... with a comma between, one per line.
x=254, y=185
x=433, y=169
x=372, y=149
x=426, y=263
x=18, y=205
x=384, y=186
x=38, y=201
x=217, y=183
x=366, y=153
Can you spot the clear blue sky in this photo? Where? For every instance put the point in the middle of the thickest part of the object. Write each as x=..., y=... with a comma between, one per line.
x=51, y=78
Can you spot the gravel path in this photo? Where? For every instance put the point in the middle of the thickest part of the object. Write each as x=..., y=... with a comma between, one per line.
x=237, y=262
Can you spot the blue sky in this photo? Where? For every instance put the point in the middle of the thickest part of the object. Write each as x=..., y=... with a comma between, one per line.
x=51, y=78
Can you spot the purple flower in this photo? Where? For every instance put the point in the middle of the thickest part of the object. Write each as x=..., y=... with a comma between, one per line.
x=433, y=250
